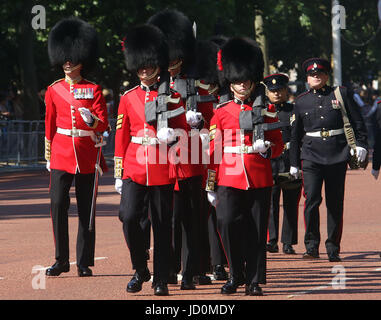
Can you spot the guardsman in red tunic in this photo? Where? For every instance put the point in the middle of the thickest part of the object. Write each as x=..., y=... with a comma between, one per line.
x=239, y=175
x=142, y=144
x=211, y=249
x=75, y=113
x=187, y=196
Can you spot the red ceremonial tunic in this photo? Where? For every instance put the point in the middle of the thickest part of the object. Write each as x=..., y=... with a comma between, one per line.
x=240, y=170
x=67, y=152
x=146, y=164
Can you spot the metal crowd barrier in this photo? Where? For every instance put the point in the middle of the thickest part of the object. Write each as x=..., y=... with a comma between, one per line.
x=22, y=143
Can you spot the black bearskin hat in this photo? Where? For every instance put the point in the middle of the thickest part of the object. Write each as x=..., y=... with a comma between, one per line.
x=145, y=45
x=241, y=59
x=74, y=40
x=206, y=61
x=179, y=32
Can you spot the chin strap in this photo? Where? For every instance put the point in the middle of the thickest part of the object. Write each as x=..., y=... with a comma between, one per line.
x=150, y=77
x=245, y=93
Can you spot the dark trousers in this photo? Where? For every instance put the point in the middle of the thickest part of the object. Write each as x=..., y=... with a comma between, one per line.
x=132, y=211
x=187, y=211
x=217, y=253
x=242, y=220
x=60, y=184
x=146, y=223
x=291, y=199
x=333, y=177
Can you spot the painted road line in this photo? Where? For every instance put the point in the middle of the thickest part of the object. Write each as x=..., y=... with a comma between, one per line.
x=72, y=263
x=331, y=284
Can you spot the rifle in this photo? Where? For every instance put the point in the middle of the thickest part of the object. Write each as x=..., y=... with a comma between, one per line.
x=98, y=170
x=157, y=110
x=187, y=88
x=253, y=120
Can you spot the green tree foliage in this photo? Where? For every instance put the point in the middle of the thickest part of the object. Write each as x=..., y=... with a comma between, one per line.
x=294, y=30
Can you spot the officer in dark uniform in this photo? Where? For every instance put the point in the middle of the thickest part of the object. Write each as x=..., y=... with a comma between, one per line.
x=277, y=92
x=319, y=148
x=376, y=159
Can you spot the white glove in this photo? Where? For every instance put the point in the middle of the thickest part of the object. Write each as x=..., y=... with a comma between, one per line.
x=212, y=197
x=193, y=118
x=48, y=165
x=294, y=171
x=166, y=135
x=361, y=153
x=261, y=146
x=86, y=115
x=375, y=173
x=118, y=185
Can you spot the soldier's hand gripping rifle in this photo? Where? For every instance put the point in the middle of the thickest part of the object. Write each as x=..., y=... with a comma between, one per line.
x=253, y=120
x=187, y=88
x=157, y=110
x=100, y=142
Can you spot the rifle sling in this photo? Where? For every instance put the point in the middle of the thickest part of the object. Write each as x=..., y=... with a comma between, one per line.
x=348, y=130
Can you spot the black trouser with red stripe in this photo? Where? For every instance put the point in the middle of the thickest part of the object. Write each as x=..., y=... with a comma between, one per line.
x=187, y=210
x=60, y=184
x=133, y=210
x=291, y=199
x=333, y=176
x=217, y=253
x=242, y=220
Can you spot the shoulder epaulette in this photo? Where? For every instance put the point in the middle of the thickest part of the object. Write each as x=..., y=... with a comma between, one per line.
x=56, y=81
x=130, y=90
x=223, y=104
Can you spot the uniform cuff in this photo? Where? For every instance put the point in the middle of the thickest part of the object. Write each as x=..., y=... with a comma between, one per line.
x=211, y=180
x=118, y=167
x=47, y=149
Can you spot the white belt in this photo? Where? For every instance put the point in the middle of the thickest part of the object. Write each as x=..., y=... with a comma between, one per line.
x=239, y=149
x=145, y=140
x=76, y=132
x=325, y=133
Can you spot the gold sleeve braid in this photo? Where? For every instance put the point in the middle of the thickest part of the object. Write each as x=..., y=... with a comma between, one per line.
x=47, y=149
x=212, y=132
x=211, y=180
x=119, y=121
x=118, y=167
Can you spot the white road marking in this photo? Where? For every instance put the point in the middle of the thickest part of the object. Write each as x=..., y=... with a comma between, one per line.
x=72, y=263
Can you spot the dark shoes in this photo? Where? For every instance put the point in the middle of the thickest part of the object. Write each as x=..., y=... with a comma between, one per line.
x=84, y=271
x=187, y=284
x=160, y=289
x=253, y=290
x=135, y=284
x=202, y=280
x=231, y=285
x=334, y=257
x=288, y=249
x=311, y=254
x=219, y=272
x=57, y=268
x=272, y=247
